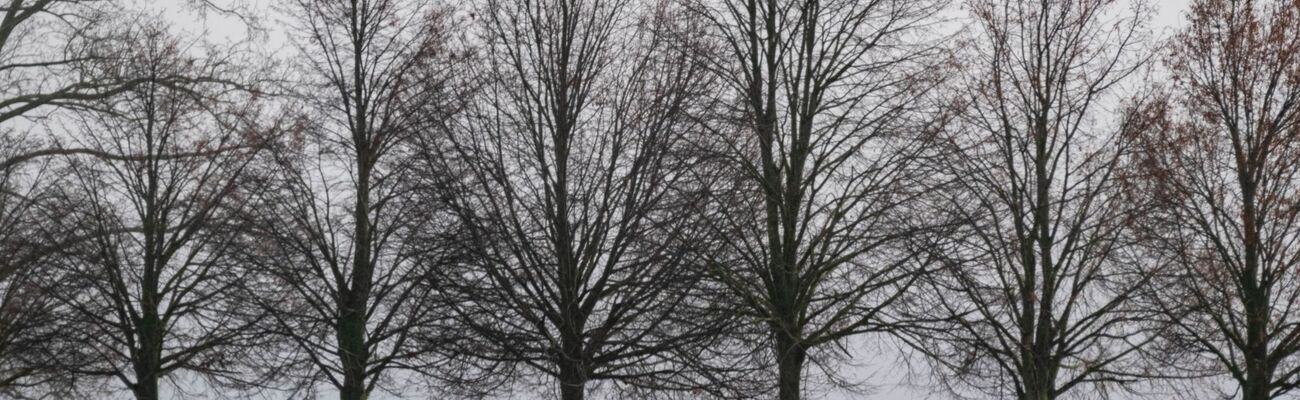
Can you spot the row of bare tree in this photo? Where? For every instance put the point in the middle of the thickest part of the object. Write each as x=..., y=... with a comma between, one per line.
x=649, y=198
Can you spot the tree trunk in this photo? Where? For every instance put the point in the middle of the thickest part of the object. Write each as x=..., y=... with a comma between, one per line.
x=1255, y=294
x=573, y=377
x=352, y=351
x=1258, y=375
x=352, y=311
x=1038, y=391
x=1040, y=379
x=146, y=388
x=149, y=357
x=1253, y=389
x=572, y=382
x=790, y=357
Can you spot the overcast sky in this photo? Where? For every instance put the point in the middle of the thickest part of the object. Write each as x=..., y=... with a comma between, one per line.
x=876, y=361
x=895, y=381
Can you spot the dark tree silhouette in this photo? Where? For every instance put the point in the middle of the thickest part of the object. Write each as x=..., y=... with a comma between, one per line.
x=1040, y=278
x=34, y=354
x=52, y=54
x=821, y=129
x=47, y=52
x=647, y=198
x=148, y=286
x=42, y=60
x=1222, y=174
x=345, y=277
x=575, y=191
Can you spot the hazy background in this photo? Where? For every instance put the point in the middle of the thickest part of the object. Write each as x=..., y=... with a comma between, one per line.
x=883, y=369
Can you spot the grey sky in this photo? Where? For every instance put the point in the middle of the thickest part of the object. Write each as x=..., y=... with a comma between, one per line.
x=875, y=360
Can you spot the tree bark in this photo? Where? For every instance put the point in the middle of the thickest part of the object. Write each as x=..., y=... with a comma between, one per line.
x=573, y=374
x=1039, y=390
x=572, y=382
x=149, y=357
x=352, y=352
x=1259, y=376
x=790, y=358
x=146, y=388
x=352, y=315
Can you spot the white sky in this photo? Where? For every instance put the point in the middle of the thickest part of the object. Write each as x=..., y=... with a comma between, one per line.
x=873, y=363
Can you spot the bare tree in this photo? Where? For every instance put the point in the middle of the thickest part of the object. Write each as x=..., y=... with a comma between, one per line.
x=40, y=57
x=34, y=354
x=1040, y=277
x=52, y=54
x=149, y=289
x=821, y=130
x=1222, y=173
x=575, y=191
x=345, y=268
x=46, y=55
